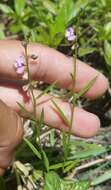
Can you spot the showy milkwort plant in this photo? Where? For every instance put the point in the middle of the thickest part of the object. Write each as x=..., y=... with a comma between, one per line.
x=22, y=67
x=47, y=21
x=72, y=37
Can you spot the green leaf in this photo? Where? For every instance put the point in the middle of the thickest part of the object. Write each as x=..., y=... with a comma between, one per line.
x=80, y=4
x=89, y=153
x=50, y=88
x=60, y=165
x=62, y=18
x=60, y=111
x=52, y=181
x=45, y=159
x=15, y=28
x=71, y=166
x=81, y=149
x=32, y=147
x=59, y=24
x=2, y=34
x=50, y=6
x=19, y=6
x=86, y=88
x=5, y=9
x=75, y=185
x=41, y=120
x=107, y=28
x=37, y=175
x=85, y=51
x=24, y=112
x=101, y=179
x=67, y=11
x=107, y=50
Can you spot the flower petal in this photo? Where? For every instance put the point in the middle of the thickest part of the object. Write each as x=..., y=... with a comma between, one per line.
x=71, y=38
x=20, y=70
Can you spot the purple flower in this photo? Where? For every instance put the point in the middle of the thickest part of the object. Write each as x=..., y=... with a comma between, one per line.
x=19, y=65
x=70, y=34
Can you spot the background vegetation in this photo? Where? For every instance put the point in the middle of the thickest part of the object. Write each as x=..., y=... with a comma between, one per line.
x=88, y=164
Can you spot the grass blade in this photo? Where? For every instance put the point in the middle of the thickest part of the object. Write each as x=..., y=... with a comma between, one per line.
x=32, y=147
x=105, y=177
x=60, y=111
x=86, y=88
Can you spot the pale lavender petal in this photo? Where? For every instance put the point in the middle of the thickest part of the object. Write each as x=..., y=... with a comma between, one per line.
x=20, y=61
x=71, y=38
x=70, y=34
x=19, y=64
x=20, y=70
x=71, y=30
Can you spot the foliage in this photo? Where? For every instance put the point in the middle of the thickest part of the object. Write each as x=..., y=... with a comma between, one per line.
x=47, y=21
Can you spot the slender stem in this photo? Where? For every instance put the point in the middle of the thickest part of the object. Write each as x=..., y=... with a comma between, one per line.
x=73, y=89
x=66, y=140
x=74, y=77
x=30, y=81
x=33, y=98
x=73, y=85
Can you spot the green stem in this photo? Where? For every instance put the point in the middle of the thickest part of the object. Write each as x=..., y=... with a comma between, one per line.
x=30, y=81
x=33, y=98
x=66, y=139
x=73, y=89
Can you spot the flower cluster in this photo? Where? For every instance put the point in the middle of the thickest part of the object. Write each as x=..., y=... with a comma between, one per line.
x=19, y=65
x=21, y=69
x=70, y=34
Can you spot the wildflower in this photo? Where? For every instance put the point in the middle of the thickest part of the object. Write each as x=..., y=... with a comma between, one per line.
x=70, y=34
x=19, y=65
